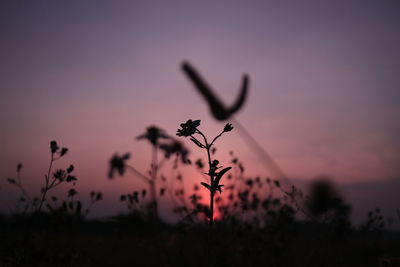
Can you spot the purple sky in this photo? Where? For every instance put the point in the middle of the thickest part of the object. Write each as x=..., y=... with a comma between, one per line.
x=324, y=94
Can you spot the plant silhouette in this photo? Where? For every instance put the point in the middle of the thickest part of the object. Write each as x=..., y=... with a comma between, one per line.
x=160, y=141
x=189, y=129
x=220, y=112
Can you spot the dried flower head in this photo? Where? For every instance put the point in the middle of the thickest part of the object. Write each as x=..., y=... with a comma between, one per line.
x=117, y=164
x=228, y=127
x=188, y=128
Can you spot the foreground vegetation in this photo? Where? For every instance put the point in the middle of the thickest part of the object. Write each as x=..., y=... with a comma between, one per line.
x=260, y=222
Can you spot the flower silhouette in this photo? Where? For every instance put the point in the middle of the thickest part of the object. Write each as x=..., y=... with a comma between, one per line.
x=228, y=127
x=117, y=164
x=188, y=128
x=153, y=134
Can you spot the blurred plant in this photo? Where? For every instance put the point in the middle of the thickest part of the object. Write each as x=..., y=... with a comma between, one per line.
x=398, y=214
x=375, y=221
x=135, y=202
x=58, y=177
x=160, y=141
x=72, y=207
x=189, y=129
x=254, y=202
x=25, y=198
x=326, y=205
x=52, y=179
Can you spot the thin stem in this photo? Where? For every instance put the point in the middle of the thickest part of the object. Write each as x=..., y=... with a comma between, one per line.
x=139, y=174
x=153, y=190
x=21, y=187
x=215, y=139
x=47, y=178
x=211, y=174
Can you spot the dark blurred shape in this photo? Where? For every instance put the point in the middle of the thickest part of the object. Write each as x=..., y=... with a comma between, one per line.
x=53, y=147
x=218, y=109
x=326, y=203
x=153, y=133
x=117, y=164
x=228, y=127
x=176, y=147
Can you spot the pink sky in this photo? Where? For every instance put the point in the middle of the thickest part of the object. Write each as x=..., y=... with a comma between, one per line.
x=323, y=98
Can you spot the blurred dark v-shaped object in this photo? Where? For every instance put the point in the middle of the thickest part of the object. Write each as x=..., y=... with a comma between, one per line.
x=217, y=107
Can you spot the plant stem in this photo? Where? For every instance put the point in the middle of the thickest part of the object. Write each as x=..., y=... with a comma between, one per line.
x=153, y=191
x=211, y=174
x=46, y=188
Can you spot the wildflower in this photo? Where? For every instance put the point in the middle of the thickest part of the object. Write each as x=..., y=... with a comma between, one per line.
x=63, y=151
x=188, y=128
x=117, y=163
x=54, y=147
x=228, y=127
x=152, y=134
x=59, y=174
x=70, y=168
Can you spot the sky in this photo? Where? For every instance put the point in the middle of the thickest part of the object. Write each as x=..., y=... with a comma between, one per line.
x=323, y=100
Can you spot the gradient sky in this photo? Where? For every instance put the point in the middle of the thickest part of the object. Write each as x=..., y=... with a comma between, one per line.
x=92, y=75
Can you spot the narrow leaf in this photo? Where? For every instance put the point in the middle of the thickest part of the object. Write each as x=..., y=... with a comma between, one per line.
x=206, y=186
x=197, y=142
x=220, y=174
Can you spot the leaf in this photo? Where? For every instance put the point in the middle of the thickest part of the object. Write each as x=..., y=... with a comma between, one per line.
x=197, y=142
x=220, y=174
x=219, y=188
x=206, y=185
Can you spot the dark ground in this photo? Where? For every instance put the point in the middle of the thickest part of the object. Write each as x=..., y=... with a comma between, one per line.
x=44, y=241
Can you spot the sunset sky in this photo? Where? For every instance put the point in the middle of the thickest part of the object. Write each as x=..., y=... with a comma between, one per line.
x=324, y=87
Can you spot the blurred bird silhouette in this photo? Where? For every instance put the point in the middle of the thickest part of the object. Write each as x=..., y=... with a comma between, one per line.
x=221, y=112
x=218, y=109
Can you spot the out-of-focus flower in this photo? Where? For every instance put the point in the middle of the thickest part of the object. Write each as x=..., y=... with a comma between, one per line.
x=70, y=168
x=63, y=151
x=53, y=147
x=19, y=167
x=72, y=192
x=153, y=134
x=199, y=163
x=228, y=127
x=176, y=147
x=117, y=164
x=188, y=128
x=59, y=174
x=71, y=178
